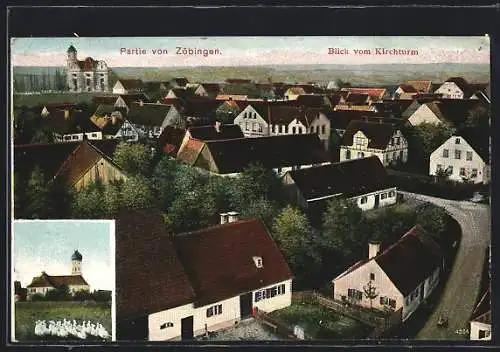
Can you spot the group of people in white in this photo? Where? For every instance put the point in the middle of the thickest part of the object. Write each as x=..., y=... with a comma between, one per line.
x=69, y=328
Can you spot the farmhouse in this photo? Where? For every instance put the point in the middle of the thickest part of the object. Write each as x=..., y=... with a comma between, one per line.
x=363, y=180
x=448, y=112
x=457, y=88
x=363, y=138
x=280, y=153
x=460, y=161
x=75, y=282
x=90, y=162
x=196, y=290
x=128, y=86
x=397, y=279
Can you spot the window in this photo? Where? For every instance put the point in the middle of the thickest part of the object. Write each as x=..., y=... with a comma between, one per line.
x=94, y=135
x=245, y=115
x=398, y=140
x=247, y=126
x=439, y=167
x=372, y=276
x=300, y=130
x=449, y=171
x=392, y=303
x=469, y=156
x=294, y=130
x=214, y=310
x=317, y=129
x=364, y=200
x=269, y=292
x=384, y=301
x=348, y=154
x=353, y=293
x=67, y=138
x=166, y=325
x=446, y=153
x=260, y=127
x=257, y=261
x=458, y=154
x=360, y=140
x=75, y=137
x=361, y=155
x=323, y=129
x=286, y=129
x=484, y=334
x=392, y=194
x=473, y=173
x=462, y=171
x=254, y=127
x=457, y=140
x=383, y=195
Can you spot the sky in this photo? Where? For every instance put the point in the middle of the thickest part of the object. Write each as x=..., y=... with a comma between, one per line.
x=47, y=245
x=235, y=51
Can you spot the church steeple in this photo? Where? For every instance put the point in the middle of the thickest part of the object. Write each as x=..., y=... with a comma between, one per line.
x=71, y=54
x=76, y=263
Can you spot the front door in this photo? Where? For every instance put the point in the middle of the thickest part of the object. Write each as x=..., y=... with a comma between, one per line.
x=187, y=328
x=377, y=196
x=246, y=305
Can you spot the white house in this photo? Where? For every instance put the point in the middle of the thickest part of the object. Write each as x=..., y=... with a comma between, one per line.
x=397, y=279
x=266, y=119
x=363, y=181
x=460, y=161
x=362, y=139
x=184, y=290
x=480, y=321
x=456, y=88
x=128, y=86
x=45, y=283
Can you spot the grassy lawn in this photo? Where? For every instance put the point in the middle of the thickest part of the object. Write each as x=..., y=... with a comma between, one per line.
x=333, y=325
x=33, y=100
x=27, y=313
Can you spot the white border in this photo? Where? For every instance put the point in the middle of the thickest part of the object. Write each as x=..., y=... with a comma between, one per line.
x=112, y=246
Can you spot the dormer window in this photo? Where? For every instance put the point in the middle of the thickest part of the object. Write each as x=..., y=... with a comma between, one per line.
x=258, y=262
x=457, y=140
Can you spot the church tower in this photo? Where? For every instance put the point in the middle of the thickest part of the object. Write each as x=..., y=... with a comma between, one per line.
x=71, y=55
x=76, y=263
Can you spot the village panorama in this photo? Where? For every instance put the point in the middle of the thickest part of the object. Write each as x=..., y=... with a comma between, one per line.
x=256, y=209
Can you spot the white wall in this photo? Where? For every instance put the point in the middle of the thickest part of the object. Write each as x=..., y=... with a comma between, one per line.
x=474, y=330
x=119, y=89
x=230, y=314
x=423, y=114
x=450, y=91
x=359, y=278
x=276, y=302
x=248, y=121
x=370, y=199
x=477, y=163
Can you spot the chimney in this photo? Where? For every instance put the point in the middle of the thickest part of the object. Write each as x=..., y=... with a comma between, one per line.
x=141, y=103
x=66, y=114
x=223, y=218
x=217, y=126
x=233, y=216
x=373, y=249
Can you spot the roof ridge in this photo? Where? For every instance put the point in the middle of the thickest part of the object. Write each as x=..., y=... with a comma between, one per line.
x=203, y=230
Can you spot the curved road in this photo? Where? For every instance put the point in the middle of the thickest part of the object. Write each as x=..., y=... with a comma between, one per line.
x=463, y=285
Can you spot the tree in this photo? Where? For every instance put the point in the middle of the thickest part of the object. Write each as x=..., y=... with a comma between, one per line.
x=300, y=247
x=342, y=84
x=59, y=293
x=82, y=295
x=137, y=193
x=164, y=175
x=342, y=233
x=370, y=292
x=433, y=219
x=262, y=209
x=37, y=195
x=133, y=158
x=87, y=203
x=113, y=197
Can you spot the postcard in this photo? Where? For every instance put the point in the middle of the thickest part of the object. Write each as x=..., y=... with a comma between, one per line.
x=63, y=280
x=261, y=188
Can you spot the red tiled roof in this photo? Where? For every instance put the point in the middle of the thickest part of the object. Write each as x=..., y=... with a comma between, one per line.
x=190, y=151
x=219, y=260
x=46, y=280
x=149, y=276
x=170, y=139
x=410, y=260
x=88, y=64
x=374, y=93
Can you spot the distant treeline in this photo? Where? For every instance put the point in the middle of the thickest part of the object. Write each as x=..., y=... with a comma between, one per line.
x=38, y=82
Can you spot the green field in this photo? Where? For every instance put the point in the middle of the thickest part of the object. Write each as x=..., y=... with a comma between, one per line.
x=27, y=313
x=33, y=100
x=322, y=323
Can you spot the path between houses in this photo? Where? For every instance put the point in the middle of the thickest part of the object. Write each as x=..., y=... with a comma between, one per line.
x=463, y=285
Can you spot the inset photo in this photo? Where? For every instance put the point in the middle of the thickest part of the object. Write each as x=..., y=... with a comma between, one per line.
x=63, y=280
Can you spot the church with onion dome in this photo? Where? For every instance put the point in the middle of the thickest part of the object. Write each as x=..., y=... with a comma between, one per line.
x=87, y=75
x=75, y=282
